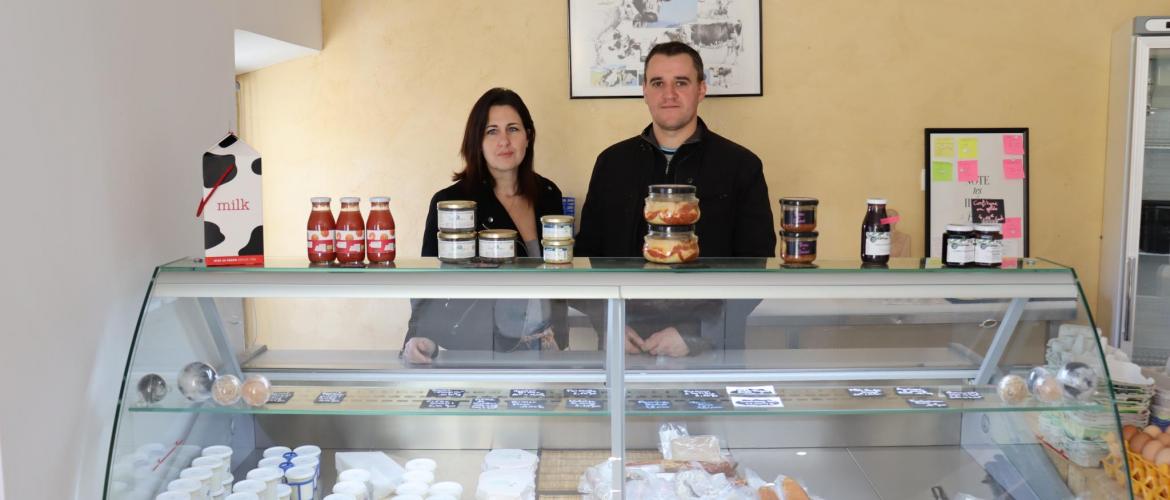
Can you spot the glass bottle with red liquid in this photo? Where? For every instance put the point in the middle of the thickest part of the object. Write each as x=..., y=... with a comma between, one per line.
x=351, y=233
x=320, y=229
x=380, y=231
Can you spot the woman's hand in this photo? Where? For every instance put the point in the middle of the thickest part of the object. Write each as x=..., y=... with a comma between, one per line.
x=666, y=342
x=633, y=342
x=419, y=350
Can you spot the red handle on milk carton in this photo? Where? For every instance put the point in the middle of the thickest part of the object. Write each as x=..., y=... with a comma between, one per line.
x=203, y=203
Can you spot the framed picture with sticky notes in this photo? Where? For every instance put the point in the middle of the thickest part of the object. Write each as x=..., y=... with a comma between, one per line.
x=977, y=176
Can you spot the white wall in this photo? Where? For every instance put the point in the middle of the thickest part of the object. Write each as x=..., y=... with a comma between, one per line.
x=294, y=21
x=105, y=108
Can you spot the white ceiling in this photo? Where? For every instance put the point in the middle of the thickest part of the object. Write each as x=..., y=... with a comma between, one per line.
x=255, y=51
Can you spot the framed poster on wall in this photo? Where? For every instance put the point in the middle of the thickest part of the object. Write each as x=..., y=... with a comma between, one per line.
x=977, y=175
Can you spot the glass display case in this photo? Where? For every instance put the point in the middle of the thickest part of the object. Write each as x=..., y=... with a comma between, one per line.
x=617, y=378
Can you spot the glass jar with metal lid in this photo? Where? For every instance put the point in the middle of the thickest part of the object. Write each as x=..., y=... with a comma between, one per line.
x=672, y=204
x=497, y=245
x=988, y=245
x=557, y=251
x=958, y=246
x=456, y=216
x=798, y=214
x=456, y=248
x=671, y=244
x=798, y=248
x=556, y=227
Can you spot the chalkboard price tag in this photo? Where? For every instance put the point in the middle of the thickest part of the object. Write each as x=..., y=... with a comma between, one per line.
x=913, y=391
x=987, y=211
x=701, y=394
x=330, y=397
x=698, y=404
x=279, y=398
x=963, y=394
x=582, y=393
x=484, y=403
x=526, y=404
x=446, y=393
x=760, y=402
x=529, y=393
x=927, y=403
x=751, y=391
x=866, y=392
x=439, y=404
x=652, y=404
x=584, y=404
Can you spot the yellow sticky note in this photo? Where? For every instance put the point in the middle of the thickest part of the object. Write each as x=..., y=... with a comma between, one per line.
x=968, y=148
x=944, y=147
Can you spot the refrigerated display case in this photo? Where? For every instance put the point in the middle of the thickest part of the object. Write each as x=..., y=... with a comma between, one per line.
x=856, y=382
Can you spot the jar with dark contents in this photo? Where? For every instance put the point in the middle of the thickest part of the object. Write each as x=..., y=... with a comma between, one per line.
x=497, y=245
x=456, y=248
x=671, y=204
x=798, y=214
x=456, y=216
x=798, y=247
x=671, y=244
x=958, y=246
x=988, y=245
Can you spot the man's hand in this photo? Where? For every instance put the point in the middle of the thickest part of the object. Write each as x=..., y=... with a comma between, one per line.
x=418, y=350
x=666, y=342
x=634, y=342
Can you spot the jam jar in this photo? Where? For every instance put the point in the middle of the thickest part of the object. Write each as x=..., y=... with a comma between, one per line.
x=671, y=244
x=456, y=216
x=988, y=245
x=556, y=227
x=798, y=214
x=497, y=245
x=456, y=248
x=557, y=251
x=672, y=204
x=958, y=246
x=798, y=247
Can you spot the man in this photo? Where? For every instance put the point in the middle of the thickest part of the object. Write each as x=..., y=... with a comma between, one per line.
x=676, y=148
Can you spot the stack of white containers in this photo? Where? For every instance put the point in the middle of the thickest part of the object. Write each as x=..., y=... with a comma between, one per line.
x=508, y=474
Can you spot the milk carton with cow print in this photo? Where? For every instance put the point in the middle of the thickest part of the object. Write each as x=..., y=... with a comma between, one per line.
x=233, y=222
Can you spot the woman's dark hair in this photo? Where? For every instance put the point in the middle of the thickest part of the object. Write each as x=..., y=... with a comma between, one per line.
x=475, y=168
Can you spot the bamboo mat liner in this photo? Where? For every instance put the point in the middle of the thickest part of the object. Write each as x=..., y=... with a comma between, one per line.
x=561, y=470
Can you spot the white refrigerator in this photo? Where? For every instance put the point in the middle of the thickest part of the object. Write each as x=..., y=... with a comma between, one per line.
x=1134, y=295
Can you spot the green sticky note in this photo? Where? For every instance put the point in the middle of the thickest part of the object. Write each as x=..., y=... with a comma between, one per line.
x=942, y=171
x=969, y=148
x=944, y=147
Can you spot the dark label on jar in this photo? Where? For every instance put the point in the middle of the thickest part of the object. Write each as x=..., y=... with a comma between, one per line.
x=796, y=248
x=799, y=217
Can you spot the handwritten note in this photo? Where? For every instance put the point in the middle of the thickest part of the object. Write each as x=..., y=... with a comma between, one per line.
x=1013, y=144
x=1013, y=168
x=987, y=211
x=1013, y=228
x=944, y=147
x=968, y=148
x=941, y=171
x=968, y=170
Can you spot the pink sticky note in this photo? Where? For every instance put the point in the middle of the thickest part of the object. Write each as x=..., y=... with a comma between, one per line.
x=1013, y=228
x=1013, y=168
x=968, y=170
x=1013, y=144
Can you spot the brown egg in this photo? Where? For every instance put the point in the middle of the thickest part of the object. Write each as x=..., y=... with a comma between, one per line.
x=1152, y=430
x=1151, y=449
x=1128, y=431
x=1139, y=440
x=1163, y=457
x=1164, y=439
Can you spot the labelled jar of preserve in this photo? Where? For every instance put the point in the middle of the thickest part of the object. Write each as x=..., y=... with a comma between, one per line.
x=320, y=231
x=456, y=248
x=456, y=216
x=556, y=227
x=988, y=245
x=798, y=247
x=958, y=245
x=671, y=204
x=497, y=245
x=671, y=244
x=380, y=245
x=351, y=232
x=798, y=214
x=557, y=251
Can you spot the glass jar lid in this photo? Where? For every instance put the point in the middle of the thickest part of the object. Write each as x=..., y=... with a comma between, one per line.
x=320, y=199
x=456, y=236
x=672, y=189
x=960, y=228
x=557, y=243
x=662, y=228
x=987, y=228
x=799, y=202
x=456, y=205
x=557, y=219
x=380, y=199
x=498, y=234
x=794, y=234
x=351, y=199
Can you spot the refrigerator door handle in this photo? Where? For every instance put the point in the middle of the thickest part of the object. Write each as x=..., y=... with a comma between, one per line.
x=1128, y=289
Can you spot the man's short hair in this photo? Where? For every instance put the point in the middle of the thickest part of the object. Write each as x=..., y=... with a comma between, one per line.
x=674, y=49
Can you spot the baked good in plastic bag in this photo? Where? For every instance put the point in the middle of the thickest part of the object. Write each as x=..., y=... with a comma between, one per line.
x=696, y=449
x=784, y=488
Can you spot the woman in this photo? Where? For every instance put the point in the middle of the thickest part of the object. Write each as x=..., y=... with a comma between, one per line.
x=497, y=151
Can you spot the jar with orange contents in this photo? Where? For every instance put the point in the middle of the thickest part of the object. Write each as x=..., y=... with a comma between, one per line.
x=351, y=233
x=671, y=204
x=671, y=244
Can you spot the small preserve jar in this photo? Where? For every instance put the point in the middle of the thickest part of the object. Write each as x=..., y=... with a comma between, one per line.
x=380, y=231
x=351, y=232
x=556, y=227
x=988, y=245
x=497, y=245
x=798, y=214
x=320, y=232
x=958, y=246
x=671, y=244
x=456, y=248
x=672, y=204
x=557, y=251
x=798, y=247
x=456, y=216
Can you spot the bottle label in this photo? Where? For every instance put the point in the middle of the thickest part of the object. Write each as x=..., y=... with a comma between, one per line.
x=350, y=242
x=456, y=249
x=960, y=251
x=456, y=219
x=877, y=243
x=794, y=248
x=380, y=240
x=320, y=241
x=989, y=251
x=799, y=217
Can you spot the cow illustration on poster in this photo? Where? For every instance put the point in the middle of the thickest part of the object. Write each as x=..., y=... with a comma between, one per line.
x=233, y=220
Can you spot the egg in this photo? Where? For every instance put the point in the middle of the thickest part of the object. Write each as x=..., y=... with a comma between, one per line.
x=1128, y=431
x=1151, y=449
x=1139, y=440
x=1152, y=430
x=1163, y=457
x=1164, y=439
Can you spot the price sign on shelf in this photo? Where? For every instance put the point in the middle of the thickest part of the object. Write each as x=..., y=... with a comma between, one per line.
x=445, y=393
x=439, y=404
x=484, y=403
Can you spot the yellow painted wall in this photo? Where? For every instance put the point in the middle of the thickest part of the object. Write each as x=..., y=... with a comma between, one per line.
x=849, y=86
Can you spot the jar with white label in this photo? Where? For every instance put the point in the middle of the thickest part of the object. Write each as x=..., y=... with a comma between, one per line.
x=497, y=245
x=958, y=246
x=988, y=245
x=556, y=227
x=557, y=251
x=456, y=216
x=456, y=248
